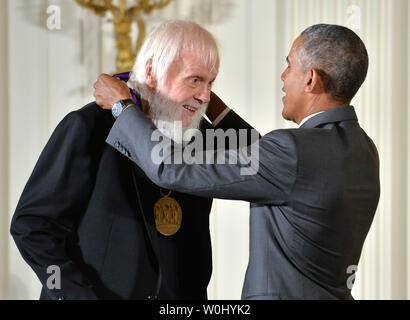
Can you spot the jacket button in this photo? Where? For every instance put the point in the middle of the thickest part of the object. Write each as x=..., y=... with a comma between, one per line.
x=153, y=297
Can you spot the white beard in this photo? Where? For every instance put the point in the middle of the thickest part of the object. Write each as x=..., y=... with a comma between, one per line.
x=166, y=114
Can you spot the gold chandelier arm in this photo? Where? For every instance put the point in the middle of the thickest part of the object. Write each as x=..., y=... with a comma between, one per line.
x=144, y=5
x=135, y=10
x=156, y=5
x=141, y=34
x=111, y=7
x=97, y=9
x=122, y=8
x=122, y=20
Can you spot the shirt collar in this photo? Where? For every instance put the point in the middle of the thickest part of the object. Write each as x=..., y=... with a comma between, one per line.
x=308, y=117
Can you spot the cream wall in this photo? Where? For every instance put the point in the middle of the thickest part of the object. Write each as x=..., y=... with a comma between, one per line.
x=3, y=155
x=47, y=73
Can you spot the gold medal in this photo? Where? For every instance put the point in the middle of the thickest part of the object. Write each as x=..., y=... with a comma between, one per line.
x=168, y=215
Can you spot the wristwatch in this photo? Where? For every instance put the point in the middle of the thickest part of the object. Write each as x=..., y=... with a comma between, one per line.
x=119, y=106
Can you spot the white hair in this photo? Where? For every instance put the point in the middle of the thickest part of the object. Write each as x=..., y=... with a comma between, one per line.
x=169, y=41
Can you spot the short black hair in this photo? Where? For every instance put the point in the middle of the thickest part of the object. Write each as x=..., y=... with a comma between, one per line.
x=339, y=56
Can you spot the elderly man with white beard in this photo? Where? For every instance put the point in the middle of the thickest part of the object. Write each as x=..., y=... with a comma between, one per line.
x=90, y=223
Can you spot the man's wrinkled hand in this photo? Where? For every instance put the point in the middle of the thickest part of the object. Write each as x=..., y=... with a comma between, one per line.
x=109, y=90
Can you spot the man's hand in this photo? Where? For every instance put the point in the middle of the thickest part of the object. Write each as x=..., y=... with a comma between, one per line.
x=109, y=90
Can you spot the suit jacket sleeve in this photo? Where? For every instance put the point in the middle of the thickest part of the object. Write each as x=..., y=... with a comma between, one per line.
x=233, y=121
x=52, y=203
x=267, y=180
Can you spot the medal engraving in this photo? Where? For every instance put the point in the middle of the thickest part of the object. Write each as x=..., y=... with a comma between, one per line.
x=168, y=215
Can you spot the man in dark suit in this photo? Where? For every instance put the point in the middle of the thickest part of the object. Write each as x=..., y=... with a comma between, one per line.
x=88, y=211
x=315, y=189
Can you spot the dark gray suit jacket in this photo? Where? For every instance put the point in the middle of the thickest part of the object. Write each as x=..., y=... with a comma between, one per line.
x=313, y=199
x=89, y=210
